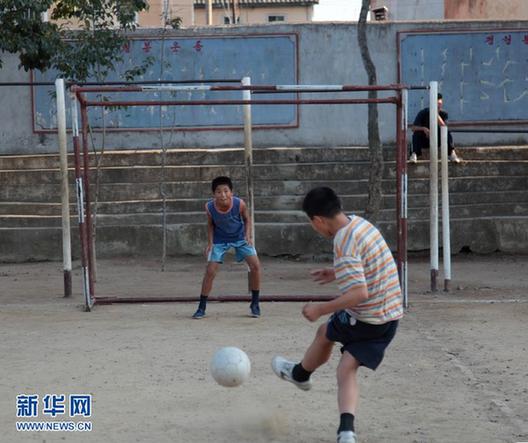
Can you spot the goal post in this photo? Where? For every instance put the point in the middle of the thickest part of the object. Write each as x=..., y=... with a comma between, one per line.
x=81, y=185
x=80, y=96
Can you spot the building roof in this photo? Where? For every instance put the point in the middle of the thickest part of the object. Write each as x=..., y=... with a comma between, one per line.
x=255, y=3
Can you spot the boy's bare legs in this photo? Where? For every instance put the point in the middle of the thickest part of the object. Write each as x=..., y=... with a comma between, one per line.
x=347, y=397
x=319, y=352
x=254, y=272
x=347, y=386
x=254, y=284
x=207, y=285
x=210, y=273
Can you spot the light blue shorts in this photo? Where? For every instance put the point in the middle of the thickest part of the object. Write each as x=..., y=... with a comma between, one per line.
x=242, y=250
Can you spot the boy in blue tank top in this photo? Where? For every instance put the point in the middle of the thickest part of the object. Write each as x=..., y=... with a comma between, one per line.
x=228, y=226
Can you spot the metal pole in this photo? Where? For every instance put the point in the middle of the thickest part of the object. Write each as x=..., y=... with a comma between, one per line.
x=433, y=181
x=401, y=192
x=248, y=156
x=234, y=12
x=101, y=300
x=399, y=231
x=79, y=187
x=88, y=201
x=336, y=101
x=405, y=290
x=189, y=85
x=65, y=198
x=446, y=235
x=209, y=12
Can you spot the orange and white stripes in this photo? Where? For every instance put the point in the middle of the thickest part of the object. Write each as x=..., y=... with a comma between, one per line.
x=362, y=257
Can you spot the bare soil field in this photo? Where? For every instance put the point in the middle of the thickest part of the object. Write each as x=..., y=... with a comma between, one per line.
x=457, y=370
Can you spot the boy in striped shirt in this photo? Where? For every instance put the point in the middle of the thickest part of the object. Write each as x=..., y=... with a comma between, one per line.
x=364, y=317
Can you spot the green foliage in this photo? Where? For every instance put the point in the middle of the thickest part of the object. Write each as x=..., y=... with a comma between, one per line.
x=22, y=31
x=138, y=71
x=91, y=51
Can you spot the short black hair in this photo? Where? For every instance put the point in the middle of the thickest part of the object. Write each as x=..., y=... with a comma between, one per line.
x=222, y=180
x=322, y=201
x=439, y=96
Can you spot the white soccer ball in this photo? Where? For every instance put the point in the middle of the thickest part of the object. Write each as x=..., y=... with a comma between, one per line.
x=230, y=366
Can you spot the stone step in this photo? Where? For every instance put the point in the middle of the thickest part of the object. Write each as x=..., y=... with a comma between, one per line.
x=469, y=198
x=50, y=193
x=342, y=187
x=488, y=199
x=473, y=168
x=235, y=155
x=472, y=184
x=355, y=203
x=283, y=171
x=153, y=174
x=483, y=235
x=178, y=157
x=151, y=214
x=488, y=153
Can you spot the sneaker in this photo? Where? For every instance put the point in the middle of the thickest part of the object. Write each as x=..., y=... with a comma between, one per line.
x=413, y=158
x=255, y=310
x=454, y=158
x=283, y=369
x=200, y=313
x=346, y=437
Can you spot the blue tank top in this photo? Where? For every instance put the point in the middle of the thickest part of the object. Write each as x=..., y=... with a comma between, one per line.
x=228, y=226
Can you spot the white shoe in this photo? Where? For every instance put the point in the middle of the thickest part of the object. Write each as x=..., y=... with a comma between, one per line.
x=346, y=437
x=413, y=158
x=454, y=158
x=283, y=369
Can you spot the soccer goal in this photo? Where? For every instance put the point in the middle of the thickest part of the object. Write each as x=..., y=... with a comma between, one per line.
x=82, y=100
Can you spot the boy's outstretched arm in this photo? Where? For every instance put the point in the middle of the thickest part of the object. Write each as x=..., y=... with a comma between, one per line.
x=351, y=298
x=244, y=213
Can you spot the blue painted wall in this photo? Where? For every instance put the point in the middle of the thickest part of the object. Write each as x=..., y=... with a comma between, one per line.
x=325, y=54
x=482, y=75
x=268, y=59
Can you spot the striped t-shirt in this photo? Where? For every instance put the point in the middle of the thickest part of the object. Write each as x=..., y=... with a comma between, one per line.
x=361, y=256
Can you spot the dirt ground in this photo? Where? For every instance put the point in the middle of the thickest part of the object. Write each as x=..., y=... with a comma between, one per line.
x=456, y=372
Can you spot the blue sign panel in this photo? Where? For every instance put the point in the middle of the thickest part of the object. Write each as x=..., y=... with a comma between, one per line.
x=267, y=59
x=483, y=76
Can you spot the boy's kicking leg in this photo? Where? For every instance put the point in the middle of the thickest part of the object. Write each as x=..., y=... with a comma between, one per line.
x=207, y=286
x=347, y=397
x=254, y=284
x=317, y=354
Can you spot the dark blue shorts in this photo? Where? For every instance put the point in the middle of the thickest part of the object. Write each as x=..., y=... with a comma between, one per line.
x=364, y=341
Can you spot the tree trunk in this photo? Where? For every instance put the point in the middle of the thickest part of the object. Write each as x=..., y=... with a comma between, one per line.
x=375, y=191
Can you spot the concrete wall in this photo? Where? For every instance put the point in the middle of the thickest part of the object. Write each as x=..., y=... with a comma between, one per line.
x=328, y=54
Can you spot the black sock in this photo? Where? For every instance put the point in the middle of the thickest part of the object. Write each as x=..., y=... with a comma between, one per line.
x=300, y=374
x=346, y=423
x=255, y=296
x=203, y=302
